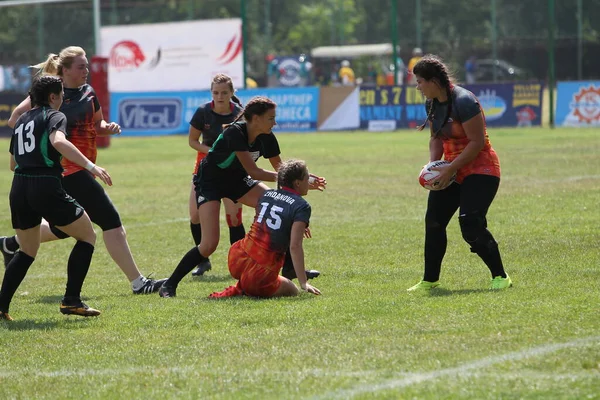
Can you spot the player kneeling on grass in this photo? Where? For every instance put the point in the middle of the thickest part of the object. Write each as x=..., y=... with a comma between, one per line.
x=281, y=221
x=36, y=147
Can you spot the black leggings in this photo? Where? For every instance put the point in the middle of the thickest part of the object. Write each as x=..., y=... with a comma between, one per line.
x=91, y=196
x=474, y=197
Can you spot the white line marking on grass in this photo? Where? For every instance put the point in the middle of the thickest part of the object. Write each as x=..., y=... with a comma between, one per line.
x=461, y=370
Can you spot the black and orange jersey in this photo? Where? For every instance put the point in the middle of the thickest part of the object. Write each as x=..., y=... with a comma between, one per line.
x=79, y=106
x=276, y=212
x=221, y=156
x=464, y=106
x=30, y=142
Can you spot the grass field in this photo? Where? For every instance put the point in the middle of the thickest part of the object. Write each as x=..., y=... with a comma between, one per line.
x=365, y=337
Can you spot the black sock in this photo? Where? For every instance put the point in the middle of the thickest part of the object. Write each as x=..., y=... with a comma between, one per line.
x=288, y=270
x=77, y=267
x=236, y=233
x=196, y=232
x=436, y=242
x=185, y=266
x=11, y=243
x=491, y=257
x=14, y=275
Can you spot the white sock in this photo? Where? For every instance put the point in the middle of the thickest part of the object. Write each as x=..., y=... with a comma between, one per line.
x=138, y=282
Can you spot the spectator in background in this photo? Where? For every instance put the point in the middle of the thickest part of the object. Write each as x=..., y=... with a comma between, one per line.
x=371, y=75
x=470, y=68
x=304, y=71
x=400, y=72
x=347, y=74
x=417, y=53
x=251, y=83
x=273, y=74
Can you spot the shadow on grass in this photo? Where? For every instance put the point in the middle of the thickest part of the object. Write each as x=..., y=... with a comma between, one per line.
x=69, y=322
x=212, y=278
x=56, y=299
x=236, y=299
x=441, y=292
x=28, y=325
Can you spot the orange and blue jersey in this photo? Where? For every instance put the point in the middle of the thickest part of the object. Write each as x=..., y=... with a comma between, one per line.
x=257, y=259
x=79, y=106
x=463, y=106
x=276, y=212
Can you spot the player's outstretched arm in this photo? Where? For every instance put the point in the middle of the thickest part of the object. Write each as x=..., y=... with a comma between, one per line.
x=70, y=152
x=21, y=109
x=104, y=128
x=297, y=253
x=253, y=170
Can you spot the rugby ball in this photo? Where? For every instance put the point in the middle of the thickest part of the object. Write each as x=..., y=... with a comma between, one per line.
x=427, y=177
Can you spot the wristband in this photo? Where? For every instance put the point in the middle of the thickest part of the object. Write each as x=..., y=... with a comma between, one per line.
x=312, y=180
x=90, y=165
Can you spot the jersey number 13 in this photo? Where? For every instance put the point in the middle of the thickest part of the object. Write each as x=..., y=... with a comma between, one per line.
x=27, y=144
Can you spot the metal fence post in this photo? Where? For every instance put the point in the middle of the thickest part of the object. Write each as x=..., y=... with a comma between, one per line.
x=551, y=75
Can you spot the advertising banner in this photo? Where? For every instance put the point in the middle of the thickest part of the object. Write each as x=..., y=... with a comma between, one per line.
x=177, y=56
x=578, y=104
x=8, y=102
x=289, y=71
x=165, y=113
x=504, y=104
x=510, y=104
x=391, y=107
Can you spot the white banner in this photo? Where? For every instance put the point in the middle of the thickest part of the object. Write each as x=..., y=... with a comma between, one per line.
x=172, y=56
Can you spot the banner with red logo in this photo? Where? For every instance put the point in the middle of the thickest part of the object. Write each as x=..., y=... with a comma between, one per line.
x=172, y=56
x=578, y=104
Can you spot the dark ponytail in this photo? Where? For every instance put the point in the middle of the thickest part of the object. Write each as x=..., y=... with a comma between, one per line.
x=432, y=67
x=237, y=101
x=258, y=105
x=42, y=87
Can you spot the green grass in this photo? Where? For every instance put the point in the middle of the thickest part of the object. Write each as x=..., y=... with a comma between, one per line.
x=365, y=337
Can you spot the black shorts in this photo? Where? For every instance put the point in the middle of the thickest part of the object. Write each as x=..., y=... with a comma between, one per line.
x=213, y=186
x=91, y=195
x=35, y=197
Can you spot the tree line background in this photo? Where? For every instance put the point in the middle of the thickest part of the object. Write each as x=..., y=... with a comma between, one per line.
x=455, y=29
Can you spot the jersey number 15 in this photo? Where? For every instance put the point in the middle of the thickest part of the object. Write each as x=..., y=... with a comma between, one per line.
x=274, y=222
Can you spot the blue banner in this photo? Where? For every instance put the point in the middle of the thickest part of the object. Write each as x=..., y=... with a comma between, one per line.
x=395, y=107
x=578, y=104
x=166, y=113
x=510, y=104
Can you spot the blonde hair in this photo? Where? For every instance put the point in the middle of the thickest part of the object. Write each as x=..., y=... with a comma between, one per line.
x=55, y=63
x=222, y=78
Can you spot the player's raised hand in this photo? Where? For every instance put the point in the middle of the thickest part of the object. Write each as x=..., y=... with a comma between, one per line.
x=317, y=182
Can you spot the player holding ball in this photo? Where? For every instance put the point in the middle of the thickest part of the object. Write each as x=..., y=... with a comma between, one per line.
x=469, y=180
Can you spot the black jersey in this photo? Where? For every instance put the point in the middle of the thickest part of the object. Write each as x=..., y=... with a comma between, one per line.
x=276, y=212
x=207, y=121
x=235, y=138
x=30, y=142
x=463, y=106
